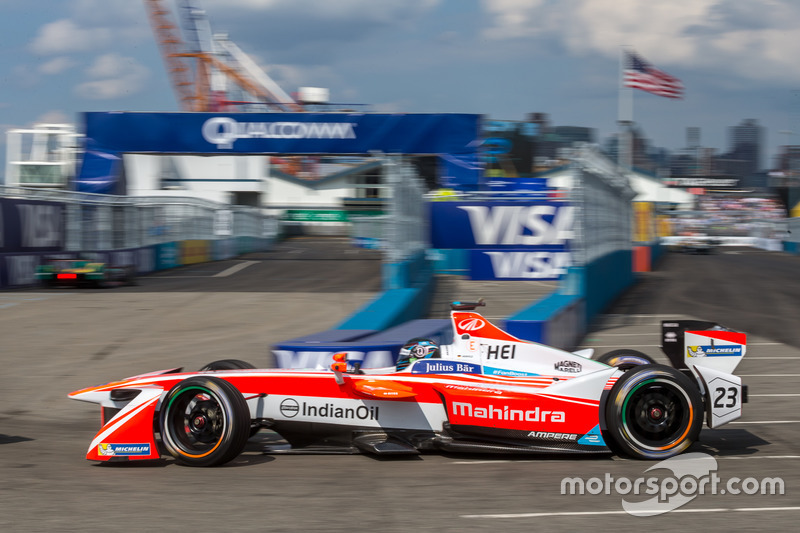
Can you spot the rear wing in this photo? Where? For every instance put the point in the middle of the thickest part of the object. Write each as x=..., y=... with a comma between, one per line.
x=689, y=343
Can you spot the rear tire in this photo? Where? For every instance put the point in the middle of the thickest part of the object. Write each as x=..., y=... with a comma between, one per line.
x=625, y=359
x=653, y=412
x=204, y=421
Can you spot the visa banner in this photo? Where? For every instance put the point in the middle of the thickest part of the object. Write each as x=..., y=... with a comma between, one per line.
x=507, y=240
x=468, y=225
x=519, y=265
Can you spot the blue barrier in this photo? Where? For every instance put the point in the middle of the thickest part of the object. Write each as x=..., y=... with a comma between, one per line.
x=556, y=320
x=562, y=318
x=604, y=279
x=391, y=308
x=409, y=287
x=375, y=350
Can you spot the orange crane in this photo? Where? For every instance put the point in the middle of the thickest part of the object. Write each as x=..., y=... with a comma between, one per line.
x=171, y=50
x=192, y=87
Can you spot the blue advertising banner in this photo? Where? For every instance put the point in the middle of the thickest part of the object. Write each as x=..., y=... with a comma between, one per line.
x=167, y=255
x=519, y=265
x=507, y=240
x=468, y=225
x=281, y=133
x=31, y=226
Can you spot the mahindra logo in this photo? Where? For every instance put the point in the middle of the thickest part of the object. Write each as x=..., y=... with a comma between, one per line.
x=471, y=324
x=504, y=412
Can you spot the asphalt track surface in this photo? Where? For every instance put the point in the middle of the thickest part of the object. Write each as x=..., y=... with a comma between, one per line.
x=58, y=341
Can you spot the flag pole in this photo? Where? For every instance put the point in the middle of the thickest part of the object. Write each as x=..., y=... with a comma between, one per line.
x=624, y=116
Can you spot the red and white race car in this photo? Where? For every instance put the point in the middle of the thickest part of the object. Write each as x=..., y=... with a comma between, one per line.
x=486, y=392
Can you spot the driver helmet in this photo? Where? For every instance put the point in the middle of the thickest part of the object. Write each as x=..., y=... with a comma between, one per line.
x=416, y=349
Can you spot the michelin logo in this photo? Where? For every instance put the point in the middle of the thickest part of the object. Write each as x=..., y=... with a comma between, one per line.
x=123, y=450
x=714, y=351
x=224, y=131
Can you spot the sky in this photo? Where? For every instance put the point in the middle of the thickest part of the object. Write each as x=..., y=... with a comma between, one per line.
x=738, y=59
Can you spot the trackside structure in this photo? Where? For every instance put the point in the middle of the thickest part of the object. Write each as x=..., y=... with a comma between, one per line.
x=581, y=237
x=152, y=233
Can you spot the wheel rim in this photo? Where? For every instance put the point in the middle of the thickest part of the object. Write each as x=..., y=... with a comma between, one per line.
x=657, y=415
x=196, y=421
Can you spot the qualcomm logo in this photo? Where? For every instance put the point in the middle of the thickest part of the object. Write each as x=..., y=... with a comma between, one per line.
x=224, y=131
x=471, y=324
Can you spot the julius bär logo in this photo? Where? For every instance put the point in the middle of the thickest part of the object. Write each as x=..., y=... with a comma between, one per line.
x=471, y=324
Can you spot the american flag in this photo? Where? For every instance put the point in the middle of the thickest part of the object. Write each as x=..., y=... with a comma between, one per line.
x=640, y=74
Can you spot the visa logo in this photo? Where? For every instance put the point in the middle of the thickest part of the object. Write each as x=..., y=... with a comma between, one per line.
x=520, y=224
x=529, y=265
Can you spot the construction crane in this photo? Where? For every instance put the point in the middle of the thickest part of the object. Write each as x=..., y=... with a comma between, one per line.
x=171, y=49
x=204, y=87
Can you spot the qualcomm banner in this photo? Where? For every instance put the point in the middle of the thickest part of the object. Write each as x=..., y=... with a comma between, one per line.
x=506, y=240
x=281, y=133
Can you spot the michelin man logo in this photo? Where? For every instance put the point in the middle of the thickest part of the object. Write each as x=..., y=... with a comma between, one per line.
x=696, y=351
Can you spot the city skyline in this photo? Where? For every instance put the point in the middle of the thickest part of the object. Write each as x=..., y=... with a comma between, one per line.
x=503, y=59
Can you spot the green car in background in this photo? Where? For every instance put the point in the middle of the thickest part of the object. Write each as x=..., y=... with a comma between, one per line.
x=83, y=272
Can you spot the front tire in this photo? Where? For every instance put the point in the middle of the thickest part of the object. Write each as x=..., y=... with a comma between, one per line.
x=227, y=364
x=653, y=412
x=204, y=421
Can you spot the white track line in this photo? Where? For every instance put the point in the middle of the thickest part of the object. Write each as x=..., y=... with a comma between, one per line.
x=601, y=513
x=741, y=422
x=718, y=458
x=234, y=269
x=769, y=375
x=772, y=395
x=758, y=457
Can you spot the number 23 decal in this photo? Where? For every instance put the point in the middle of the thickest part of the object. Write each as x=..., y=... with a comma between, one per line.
x=726, y=397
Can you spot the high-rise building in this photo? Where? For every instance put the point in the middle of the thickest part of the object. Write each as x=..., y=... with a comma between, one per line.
x=693, y=137
x=746, y=143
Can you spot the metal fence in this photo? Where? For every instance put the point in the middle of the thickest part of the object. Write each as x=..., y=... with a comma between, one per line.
x=403, y=230
x=602, y=196
x=102, y=222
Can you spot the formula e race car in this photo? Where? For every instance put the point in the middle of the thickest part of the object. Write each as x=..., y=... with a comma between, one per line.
x=83, y=272
x=486, y=392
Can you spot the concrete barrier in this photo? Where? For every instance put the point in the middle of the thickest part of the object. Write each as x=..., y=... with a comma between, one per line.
x=409, y=287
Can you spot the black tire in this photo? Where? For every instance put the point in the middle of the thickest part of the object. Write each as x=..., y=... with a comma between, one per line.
x=625, y=359
x=232, y=364
x=204, y=421
x=653, y=412
x=226, y=364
